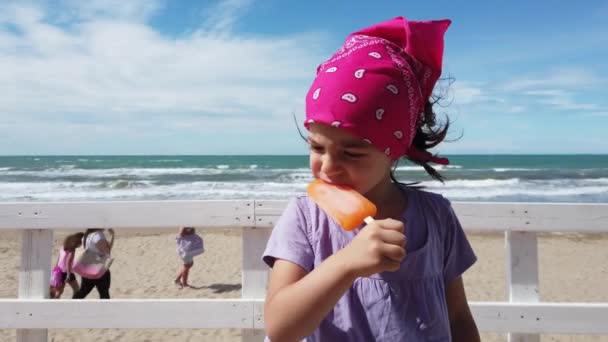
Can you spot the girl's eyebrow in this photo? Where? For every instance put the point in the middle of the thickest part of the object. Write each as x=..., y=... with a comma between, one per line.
x=345, y=144
x=355, y=144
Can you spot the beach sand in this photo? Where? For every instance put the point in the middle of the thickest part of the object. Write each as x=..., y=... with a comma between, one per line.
x=573, y=268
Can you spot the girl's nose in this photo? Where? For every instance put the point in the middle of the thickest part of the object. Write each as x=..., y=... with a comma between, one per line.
x=330, y=166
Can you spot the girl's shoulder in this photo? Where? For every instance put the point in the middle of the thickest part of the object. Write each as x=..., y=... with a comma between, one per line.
x=302, y=212
x=437, y=212
x=188, y=237
x=306, y=208
x=98, y=233
x=95, y=237
x=304, y=202
x=428, y=200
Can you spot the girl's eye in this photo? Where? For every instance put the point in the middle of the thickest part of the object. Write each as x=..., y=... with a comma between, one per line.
x=316, y=148
x=353, y=154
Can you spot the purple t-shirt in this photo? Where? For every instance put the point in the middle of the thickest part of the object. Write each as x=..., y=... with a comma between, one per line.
x=406, y=305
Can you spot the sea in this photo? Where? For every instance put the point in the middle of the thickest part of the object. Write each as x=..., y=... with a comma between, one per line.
x=489, y=178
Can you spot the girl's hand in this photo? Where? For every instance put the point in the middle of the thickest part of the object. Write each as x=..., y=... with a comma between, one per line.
x=378, y=247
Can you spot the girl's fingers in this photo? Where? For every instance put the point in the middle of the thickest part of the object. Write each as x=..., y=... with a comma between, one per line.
x=393, y=252
x=391, y=265
x=392, y=237
x=390, y=224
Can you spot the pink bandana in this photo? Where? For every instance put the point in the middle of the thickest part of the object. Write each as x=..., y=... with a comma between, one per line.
x=376, y=85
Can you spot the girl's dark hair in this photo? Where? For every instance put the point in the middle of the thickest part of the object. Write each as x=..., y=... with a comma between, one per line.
x=86, y=234
x=72, y=240
x=429, y=133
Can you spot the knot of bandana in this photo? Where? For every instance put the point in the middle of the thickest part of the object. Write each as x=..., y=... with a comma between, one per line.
x=376, y=85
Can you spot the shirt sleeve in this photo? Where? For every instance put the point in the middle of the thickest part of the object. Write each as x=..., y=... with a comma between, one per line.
x=95, y=238
x=290, y=238
x=458, y=253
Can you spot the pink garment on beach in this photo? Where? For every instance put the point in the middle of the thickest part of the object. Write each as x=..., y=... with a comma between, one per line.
x=63, y=259
x=376, y=85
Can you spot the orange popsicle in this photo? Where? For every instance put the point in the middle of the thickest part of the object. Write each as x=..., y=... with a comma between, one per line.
x=348, y=207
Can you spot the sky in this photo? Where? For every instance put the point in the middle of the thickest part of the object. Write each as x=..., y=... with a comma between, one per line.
x=229, y=77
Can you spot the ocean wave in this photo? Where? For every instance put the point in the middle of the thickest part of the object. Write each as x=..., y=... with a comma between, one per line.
x=112, y=173
x=589, y=190
x=420, y=168
x=126, y=184
x=518, y=192
x=295, y=176
x=166, y=161
x=481, y=183
x=124, y=190
x=514, y=169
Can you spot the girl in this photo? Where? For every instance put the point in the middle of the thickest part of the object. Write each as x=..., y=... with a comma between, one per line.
x=398, y=278
x=189, y=245
x=65, y=262
x=95, y=241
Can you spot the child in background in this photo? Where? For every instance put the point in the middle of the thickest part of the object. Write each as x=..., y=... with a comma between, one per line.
x=94, y=241
x=189, y=245
x=370, y=105
x=64, y=264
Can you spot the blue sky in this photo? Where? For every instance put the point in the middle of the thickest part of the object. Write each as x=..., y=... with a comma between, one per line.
x=226, y=77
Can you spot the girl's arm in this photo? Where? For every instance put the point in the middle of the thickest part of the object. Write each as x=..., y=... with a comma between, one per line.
x=104, y=246
x=297, y=301
x=462, y=324
x=111, y=244
x=69, y=263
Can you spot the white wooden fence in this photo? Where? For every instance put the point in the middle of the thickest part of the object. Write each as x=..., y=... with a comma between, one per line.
x=523, y=316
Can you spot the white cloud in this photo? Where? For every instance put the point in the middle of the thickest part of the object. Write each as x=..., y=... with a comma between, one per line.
x=112, y=9
x=220, y=19
x=466, y=93
x=561, y=99
x=561, y=78
x=516, y=109
x=564, y=103
x=110, y=67
x=559, y=90
x=548, y=92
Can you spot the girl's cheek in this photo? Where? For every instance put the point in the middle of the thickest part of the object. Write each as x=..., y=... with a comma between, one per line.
x=315, y=164
x=315, y=170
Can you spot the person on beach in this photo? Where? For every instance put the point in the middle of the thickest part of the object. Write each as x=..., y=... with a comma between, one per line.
x=398, y=278
x=189, y=245
x=95, y=241
x=63, y=267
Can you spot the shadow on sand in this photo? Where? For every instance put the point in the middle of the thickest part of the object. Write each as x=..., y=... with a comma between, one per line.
x=219, y=288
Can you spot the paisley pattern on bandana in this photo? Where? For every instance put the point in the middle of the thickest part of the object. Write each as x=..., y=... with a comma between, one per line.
x=376, y=85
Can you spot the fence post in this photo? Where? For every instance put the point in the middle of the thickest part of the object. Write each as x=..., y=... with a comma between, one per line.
x=34, y=275
x=522, y=274
x=254, y=275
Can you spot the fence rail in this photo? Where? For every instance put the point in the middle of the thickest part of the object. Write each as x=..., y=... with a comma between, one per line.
x=523, y=315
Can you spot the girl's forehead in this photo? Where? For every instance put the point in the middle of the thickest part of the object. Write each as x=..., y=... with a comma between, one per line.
x=324, y=134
